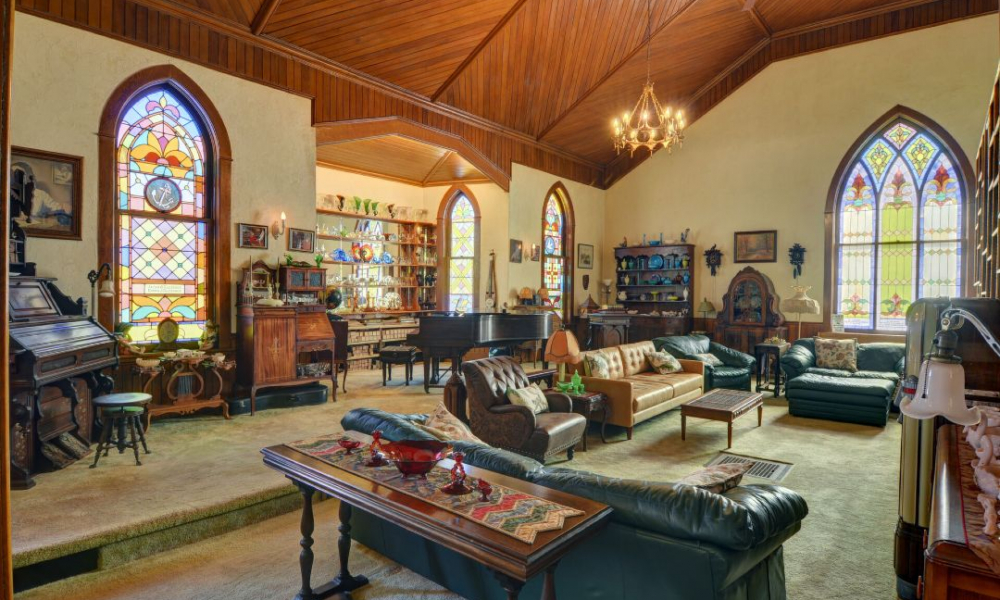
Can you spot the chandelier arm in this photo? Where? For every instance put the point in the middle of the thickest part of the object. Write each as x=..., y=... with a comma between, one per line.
x=952, y=319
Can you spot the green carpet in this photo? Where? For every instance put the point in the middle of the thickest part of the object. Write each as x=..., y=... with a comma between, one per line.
x=847, y=473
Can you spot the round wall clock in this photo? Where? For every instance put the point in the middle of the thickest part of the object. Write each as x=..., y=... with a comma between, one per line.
x=167, y=331
x=163, y=194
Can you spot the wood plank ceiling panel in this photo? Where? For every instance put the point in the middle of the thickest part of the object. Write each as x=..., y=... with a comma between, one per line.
x=702, y=42
x=550, y=54
x=785, y=15
x=454, y=168
x=393, y=156
x=415, y=44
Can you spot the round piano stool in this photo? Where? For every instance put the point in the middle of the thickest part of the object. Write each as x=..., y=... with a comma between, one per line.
x=398, y=355
x=121, y=412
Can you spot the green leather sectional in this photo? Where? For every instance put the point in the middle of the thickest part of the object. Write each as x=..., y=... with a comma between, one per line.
x=735, y=371
x=860, y=397
x=665, y=541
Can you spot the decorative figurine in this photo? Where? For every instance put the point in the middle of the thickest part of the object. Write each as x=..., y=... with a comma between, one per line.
x=796, y=256
x=485, y=489
x=340, y=202
x=392, y=210
x=989, y=513
x=684, y=235
x=457, y=486
x=319, y=260
x=713, y=258
x=624, y=243
x=210, y=336
x=374, y=208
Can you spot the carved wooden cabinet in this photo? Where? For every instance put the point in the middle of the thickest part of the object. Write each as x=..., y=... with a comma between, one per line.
x=750, y=312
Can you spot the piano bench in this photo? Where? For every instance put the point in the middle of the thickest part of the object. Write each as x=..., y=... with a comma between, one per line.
x=398, y=355
x=120, y=413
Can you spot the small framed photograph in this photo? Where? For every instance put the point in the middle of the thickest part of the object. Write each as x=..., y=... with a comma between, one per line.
x=516, y=251
x=252, y=236
x=585, y=256
x=46, y=189
x=755, y=246
x=536, y=252
x=301, y=240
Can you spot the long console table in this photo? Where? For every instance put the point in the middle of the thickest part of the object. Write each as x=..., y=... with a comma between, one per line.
x=512, y=561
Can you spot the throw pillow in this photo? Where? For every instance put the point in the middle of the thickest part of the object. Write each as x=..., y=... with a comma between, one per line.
x=709, y=359
x=447, y=427
x=663, y=363
x=598, y=366
x=531, y=397
x=718, y=478
x=837, y=354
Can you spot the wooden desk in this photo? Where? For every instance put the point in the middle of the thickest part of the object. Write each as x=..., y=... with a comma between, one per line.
x=512, y=561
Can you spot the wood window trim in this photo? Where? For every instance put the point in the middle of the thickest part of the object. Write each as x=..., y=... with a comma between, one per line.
x=962, y=166
x=219, y=292
x=6, y=66
x=444, y=244
x=569, y=245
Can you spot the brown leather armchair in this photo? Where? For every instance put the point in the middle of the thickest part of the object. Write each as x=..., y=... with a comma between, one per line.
x=499, y=423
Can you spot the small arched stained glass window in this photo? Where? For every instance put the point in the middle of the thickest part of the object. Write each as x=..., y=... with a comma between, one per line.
x=461, y=255
x=899, y=228
x=554, y=251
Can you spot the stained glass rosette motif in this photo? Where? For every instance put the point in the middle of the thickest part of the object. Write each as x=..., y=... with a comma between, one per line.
x=909, y=247
x=554, y=263
x=162, y=260
x=462, y=255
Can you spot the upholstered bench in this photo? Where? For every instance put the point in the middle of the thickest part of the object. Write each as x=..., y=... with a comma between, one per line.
x=398, y=355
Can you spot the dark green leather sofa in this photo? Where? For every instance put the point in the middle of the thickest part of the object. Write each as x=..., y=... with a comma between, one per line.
x=734, y=374
x=860, y=397
x=665, y=541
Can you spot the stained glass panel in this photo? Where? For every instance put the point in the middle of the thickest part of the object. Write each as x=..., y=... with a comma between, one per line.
x=899, y=134
x=855, y=289
x=553, y=268
x=877, y=157
x=919, y=154
x=857, y=209
x=896, y=269
x=940, y=215
x=462, y=249
x=898, y=203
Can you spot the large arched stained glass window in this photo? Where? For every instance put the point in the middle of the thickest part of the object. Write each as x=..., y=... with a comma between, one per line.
x=899, y=227
x=162, y=170
x=556, y=245
x=461, y=254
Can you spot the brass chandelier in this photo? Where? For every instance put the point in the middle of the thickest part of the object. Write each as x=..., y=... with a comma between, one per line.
x=649, y=125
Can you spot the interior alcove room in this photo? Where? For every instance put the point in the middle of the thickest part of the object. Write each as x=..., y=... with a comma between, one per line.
x=498, y=299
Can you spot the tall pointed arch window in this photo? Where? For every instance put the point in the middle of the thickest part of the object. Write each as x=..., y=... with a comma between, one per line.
x=163, y=174
x=899, y=231
x=459, y=214
x=557, y=244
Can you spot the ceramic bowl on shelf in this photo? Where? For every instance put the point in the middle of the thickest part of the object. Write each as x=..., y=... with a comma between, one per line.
x=656, y=261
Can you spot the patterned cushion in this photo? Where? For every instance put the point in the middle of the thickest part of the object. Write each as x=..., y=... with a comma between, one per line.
x=446, y=427
x=663, y=362
x=837, y=354
x=718, y=478
x=597, y=366
x=709, y=359
x=531, y=397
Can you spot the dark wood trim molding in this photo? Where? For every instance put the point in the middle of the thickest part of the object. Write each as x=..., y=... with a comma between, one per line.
x=263, y=16
x=344, y=131
x=569, y=238
x=6, y=66
x=221, y=152
x=964, y=167
x=444, y=243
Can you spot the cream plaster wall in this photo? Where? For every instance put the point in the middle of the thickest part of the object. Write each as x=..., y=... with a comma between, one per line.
x=764, y=158
x=347, y=184
x=62, y=79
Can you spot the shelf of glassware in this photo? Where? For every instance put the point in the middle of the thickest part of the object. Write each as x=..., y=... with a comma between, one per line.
x=412, y=266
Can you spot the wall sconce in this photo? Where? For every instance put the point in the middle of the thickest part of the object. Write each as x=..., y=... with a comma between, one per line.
x=940, y=388
x=107, y=286
x=278, y=230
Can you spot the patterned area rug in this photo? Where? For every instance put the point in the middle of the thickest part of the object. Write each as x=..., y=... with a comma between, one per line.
x=771, y=470
x=517, y=514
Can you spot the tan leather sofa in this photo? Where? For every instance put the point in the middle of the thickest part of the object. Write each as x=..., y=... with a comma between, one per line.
x=635, y=391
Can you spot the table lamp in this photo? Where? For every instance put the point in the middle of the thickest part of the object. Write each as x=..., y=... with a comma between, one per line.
x=801, y=304
x=940, y=387
x=705, y=307
x=562, y=349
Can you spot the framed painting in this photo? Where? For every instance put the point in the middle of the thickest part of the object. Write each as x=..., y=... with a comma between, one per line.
x=47, y=190
x=536, y=252
x=301, y=240
x=755, y=246
x=516, y=251
x=585, y=256
x=252, y=236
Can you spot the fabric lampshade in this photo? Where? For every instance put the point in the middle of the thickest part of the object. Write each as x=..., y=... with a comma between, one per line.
x=107, y=289
x=706, y=306
x=800, y=303
x=562, y=348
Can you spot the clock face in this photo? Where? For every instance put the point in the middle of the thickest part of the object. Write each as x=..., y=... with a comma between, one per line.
x=163, y=194
x=167, y=331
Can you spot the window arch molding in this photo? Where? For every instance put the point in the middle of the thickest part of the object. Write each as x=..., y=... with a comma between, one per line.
x=961, y=165
x=219, y=281
x=561, y=195
x=451, y=197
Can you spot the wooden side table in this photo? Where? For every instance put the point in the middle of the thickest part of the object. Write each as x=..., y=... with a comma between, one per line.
x=769, y=366
x=587, y=404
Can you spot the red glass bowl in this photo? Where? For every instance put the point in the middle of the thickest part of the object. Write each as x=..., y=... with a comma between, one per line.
x=349, y=444
x=416, y=457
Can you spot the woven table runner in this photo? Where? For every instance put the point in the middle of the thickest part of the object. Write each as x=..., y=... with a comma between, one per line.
x=517, y=514
x=984, y=546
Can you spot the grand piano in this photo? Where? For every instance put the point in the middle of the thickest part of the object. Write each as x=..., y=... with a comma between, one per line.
x=451, y=335
x=56, y=360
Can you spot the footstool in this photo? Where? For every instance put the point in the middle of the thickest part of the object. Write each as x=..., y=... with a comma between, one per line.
x=398, y=355
x=118, y=412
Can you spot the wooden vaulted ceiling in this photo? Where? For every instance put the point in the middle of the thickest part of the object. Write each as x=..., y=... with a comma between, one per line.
x=400, y=158
x=531, y=81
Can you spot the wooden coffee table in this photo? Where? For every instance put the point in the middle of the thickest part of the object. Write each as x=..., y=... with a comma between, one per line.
x=723, y=405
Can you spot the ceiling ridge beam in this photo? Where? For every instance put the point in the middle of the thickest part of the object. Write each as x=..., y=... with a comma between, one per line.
x=748, y=7
x=669, y=21
x=439, y=162
x=263, y=16
x=479, y=48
